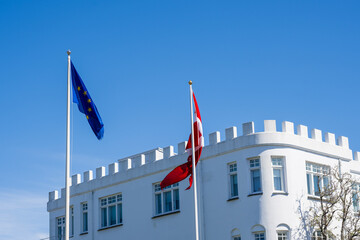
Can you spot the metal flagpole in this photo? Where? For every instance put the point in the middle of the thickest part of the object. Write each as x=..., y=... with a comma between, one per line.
x=67, y=171
x=193, y=163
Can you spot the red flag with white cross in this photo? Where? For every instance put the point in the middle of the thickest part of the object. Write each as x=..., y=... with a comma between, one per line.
x=183, y=171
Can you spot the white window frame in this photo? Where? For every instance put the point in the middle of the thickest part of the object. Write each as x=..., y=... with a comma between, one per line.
x=60, y=223
x=233, y=187
x=235, y=234
x=319, y=171
x=71, y=222
x=278, y=164
x=171, y=191
x=84, y=214
x=318, y=236
x=106, y=204
x=355, y=197
x=259, y=236
x=282, y=235
x=255, y=165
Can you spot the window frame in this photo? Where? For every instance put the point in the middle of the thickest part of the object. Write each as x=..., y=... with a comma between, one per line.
x=252, y=169
x=316, y=233
x=282, y=169
x=321, y=172
x=232, y=173
x=283, y=232
x=60, y=223
x=107, y=203
x=71, y=222
x=159, y=197
x=84, y=210
x=259, y=237
x=356, y=195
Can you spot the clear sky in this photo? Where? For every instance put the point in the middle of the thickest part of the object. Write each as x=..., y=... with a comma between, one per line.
x=249, y=61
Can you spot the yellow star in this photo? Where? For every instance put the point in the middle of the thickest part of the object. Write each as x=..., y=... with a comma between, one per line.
x=85, y=93
x=89, y=109
x=79, y=88
x=87, y=117
x=89, y=100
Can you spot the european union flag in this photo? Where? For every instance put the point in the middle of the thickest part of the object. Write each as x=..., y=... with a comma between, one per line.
x=86, y=104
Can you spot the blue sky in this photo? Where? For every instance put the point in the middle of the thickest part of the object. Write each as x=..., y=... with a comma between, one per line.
x=249, y=61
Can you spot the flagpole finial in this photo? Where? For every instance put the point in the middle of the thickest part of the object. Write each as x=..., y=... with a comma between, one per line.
x=190, y=82
x=68, y=52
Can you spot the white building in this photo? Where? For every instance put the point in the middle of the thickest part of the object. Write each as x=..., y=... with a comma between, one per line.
x=250, y=187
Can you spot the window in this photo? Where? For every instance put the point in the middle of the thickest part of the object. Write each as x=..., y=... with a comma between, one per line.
x=317, y=177
x=259, y=236
x=255, y=175
x=84, y=218
x=318, y=236
x=282, y=235
x=60, y=228
x=166, y=200
x=71, y=221
x=233, y=180
x=111, y=210
x=258, y=232
x=235, y=234
x=278, y=173
x=355, y=196
x=283, y=232
x=60, y=233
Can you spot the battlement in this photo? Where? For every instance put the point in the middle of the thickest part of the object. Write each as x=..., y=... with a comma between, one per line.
x=163, y=159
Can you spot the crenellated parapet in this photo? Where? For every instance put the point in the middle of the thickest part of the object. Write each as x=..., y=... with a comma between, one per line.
x=163, y=159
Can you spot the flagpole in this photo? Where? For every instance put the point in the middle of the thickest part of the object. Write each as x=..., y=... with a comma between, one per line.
x=67, y=171
x=193, y=163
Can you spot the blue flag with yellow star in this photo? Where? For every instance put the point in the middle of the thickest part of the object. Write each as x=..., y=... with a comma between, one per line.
x=86, y=104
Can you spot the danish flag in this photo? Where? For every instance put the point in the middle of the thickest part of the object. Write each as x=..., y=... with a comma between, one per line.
x=183, y=171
